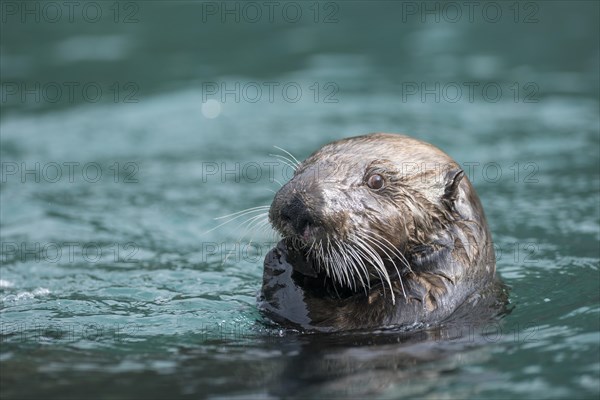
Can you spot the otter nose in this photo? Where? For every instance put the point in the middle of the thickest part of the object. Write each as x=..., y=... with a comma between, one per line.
x=296, y=214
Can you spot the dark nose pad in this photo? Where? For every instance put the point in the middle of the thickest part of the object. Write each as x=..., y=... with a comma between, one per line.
x=296, y=214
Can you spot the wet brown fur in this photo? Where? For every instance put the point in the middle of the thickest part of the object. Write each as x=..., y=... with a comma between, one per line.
x=428, y=211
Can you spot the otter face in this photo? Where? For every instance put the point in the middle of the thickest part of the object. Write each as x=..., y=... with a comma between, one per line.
x=336, y=199
x=357, y=206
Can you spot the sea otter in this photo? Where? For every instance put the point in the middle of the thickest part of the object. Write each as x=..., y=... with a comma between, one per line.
x=379, y=231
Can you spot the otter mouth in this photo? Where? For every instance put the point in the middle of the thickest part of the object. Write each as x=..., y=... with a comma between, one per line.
x=341, y=269
x=308, y=273
x=302, y=232
x=306, y=236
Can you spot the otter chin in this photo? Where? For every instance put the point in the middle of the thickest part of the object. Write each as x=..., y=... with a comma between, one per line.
x=379, y=231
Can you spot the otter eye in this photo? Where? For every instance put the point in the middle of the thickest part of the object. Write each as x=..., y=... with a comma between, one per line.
x=376, y=182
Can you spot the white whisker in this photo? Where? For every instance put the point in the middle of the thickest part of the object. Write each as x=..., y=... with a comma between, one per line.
x=379, y=244
x=290, y=154
x=248, y=210
x=378, y=264
x=285, y=160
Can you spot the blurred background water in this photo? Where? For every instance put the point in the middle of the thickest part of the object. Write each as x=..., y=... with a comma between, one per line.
x=127, y=127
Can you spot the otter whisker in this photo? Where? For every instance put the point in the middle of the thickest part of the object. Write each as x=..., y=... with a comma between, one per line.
x=359, y=266
x=326, y=261
x=264, y=227
x=237, y=215
x=362, y=265
x=322, y=256
x=265, y=221
x=261, y=220
x=378, y=264
x=257, y=220
x=337, y=277
x=289, y=154
x=367, y=254
x=379, y=244
x=255, y=224
x=260, y=226
x=340, y=274
x=343, y=266
x=402, y=259
x=353, y=260
x=358, y=260
x=247, y=210
x=314, y=248
x=364, y=253
x=285, y=160
x=329, y=268
x=253, y=219
x=348, y=264
x=396, y=251
x=310, y=249
x=249, y=222
x=336, y=265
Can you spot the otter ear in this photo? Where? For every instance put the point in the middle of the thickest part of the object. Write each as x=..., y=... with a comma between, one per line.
x=452, y=181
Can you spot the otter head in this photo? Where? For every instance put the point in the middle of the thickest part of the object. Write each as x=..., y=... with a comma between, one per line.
x=360, y=210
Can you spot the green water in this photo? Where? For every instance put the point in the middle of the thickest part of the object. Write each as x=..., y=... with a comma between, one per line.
x=123, y=138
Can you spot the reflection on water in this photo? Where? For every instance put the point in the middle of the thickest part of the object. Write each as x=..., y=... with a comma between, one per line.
x=110, y=280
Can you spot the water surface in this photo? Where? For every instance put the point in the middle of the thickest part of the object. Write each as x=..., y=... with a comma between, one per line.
x=113, y=283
